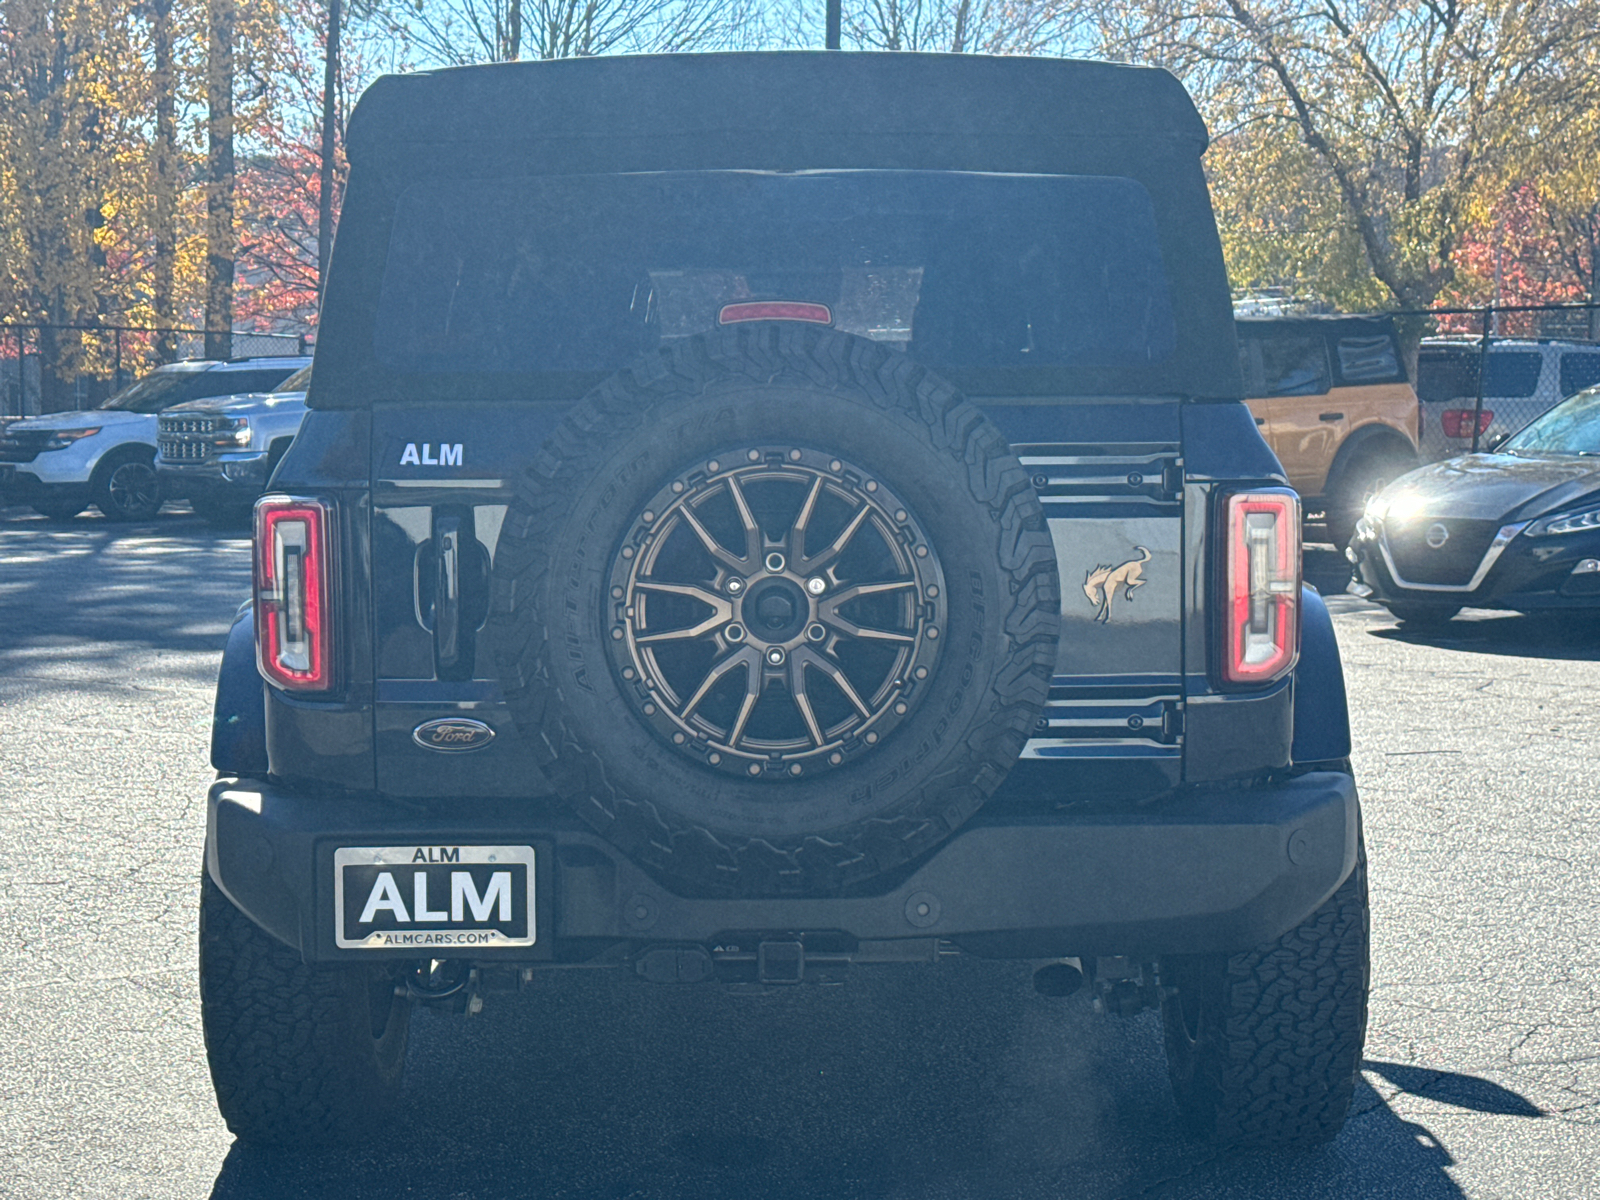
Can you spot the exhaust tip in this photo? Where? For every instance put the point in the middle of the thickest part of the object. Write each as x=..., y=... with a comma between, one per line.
x=1057, y=979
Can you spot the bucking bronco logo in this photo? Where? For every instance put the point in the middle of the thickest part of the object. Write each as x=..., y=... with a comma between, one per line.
x=1101, y=584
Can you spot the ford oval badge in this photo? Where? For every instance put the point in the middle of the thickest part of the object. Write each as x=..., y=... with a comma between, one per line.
x=453, y=735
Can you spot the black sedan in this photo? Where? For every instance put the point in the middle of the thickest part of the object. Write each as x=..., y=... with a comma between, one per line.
x=1518, y=528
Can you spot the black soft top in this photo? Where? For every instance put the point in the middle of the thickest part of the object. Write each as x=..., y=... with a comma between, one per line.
x=784, y=111
x=746, y=103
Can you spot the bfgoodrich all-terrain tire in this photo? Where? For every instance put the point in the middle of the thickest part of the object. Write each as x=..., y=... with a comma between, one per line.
x=297, y=1055
x=1263, y=1047
x=776, y=609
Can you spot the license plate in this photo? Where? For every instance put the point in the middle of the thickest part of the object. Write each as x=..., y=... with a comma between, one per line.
x=428, y=898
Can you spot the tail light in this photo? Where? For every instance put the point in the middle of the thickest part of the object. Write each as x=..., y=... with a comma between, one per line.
x=1457, y=422
x=1261, y=639
x=293, y=593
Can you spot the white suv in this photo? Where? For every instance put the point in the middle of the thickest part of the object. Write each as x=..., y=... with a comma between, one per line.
x=60, y=463
x=1525, y=378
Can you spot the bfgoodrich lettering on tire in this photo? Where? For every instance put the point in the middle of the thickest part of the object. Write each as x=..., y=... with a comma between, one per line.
x=776, y=609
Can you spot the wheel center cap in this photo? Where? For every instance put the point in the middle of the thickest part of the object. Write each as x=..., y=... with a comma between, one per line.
x=776, y=610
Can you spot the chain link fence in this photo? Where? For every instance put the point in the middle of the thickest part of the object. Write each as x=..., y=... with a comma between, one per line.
x=93, y=362
x=1489, y=371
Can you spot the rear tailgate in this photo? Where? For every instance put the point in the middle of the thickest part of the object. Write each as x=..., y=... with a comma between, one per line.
x=440, y=486
x=1110, y=476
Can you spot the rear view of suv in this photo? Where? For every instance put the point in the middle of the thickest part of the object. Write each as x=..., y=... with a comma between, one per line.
x=1524, y=379
x=748, y=542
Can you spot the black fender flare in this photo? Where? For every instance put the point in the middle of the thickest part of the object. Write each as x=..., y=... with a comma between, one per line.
x=1321, y=713
x=239, y=720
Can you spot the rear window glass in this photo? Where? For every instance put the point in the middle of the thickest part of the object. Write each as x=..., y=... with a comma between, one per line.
x=1444, y=375
x=1512, y=374
x=1294, y=366
x=1578, y=371
x=961, y=270
x=1454, y=375
x=1369, y=360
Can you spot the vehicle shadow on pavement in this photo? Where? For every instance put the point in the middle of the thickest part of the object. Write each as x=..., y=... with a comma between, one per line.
x=169, y=585
x=1569, y=636
x=919, y=1083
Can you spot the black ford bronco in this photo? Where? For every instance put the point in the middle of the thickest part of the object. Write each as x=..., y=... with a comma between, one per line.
x=762, y=515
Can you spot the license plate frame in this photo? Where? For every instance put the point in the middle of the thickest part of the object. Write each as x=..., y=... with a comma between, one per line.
x=485, y=915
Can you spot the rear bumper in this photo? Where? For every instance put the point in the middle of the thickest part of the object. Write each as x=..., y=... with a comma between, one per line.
x=1203, y=873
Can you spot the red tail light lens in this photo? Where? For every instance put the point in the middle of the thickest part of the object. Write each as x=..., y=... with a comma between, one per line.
x=293, y=593
x=1457, y=422
x=1261, y=639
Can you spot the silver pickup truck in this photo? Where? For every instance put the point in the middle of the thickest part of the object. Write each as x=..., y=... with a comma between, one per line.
x=219, y=453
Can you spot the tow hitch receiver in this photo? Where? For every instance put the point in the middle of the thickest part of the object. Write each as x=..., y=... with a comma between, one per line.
x=780, y=962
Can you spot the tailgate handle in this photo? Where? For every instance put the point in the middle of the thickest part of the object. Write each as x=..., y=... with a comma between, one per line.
x=447, y=592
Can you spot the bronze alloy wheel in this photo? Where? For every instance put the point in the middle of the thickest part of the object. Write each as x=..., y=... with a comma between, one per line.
x=774, y=612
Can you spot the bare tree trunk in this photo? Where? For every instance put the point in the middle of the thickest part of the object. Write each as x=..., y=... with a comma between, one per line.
x=53, y=395
x=164, y=192
x=514, y=36
x=221, y=240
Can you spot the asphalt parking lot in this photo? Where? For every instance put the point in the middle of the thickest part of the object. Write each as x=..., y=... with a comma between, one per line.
x=1477, y=755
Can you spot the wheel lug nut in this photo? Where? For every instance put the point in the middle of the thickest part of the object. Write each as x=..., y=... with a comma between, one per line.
x=734, y=633
x=816, y=585
x=734, y=586
x=775, y=562
x=775, y=656
x=815, y=632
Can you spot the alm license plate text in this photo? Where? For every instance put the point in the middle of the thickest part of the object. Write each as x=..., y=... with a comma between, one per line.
x=430, y=898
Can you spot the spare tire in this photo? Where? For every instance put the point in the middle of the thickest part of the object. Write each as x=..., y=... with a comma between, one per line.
x=776, y=610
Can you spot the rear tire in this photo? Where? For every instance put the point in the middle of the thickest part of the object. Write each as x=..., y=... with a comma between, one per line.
x=297, y=1055
x=1423, y=616
x=1263, y=1047
x=787, y=780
